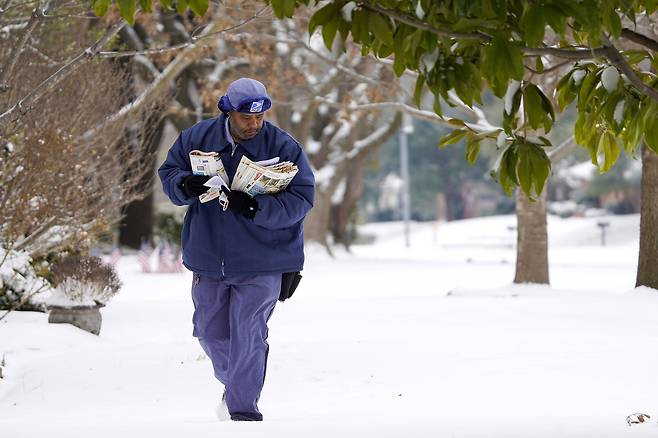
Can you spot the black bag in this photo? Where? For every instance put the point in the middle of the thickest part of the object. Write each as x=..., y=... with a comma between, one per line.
x=289, y=282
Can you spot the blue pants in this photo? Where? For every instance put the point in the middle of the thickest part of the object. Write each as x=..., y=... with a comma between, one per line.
x=230, y=320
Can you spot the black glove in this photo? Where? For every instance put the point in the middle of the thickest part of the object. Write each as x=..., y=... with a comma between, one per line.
x=241, y=203
x=193, y=185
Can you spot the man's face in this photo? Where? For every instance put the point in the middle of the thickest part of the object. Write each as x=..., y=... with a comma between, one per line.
x=245, y=126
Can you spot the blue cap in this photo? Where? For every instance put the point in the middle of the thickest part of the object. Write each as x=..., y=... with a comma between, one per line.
x=245, y=95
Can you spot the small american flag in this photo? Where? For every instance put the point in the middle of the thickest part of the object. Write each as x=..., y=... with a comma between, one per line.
x=165, y=259
x=144, y=256
x=178, y=261
x=115, y=255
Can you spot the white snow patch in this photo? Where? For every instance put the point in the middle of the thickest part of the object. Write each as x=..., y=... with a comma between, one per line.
x=428, y=60
x=578, y=76
x=495, y=359
x=501, y=139
x=619, y=111
x=339, y=193
x=296, y=117
x=420, y=12
x=512, y=88
x=282, y=48
x=610, y=78
x=347, y=10
x=312, y=146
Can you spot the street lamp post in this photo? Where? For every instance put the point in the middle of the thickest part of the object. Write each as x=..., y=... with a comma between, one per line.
x=407, y=128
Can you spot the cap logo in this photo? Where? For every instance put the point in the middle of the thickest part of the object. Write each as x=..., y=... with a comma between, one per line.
x=256, y=106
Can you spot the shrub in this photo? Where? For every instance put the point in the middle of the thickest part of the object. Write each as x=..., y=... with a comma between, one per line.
x=83, y=280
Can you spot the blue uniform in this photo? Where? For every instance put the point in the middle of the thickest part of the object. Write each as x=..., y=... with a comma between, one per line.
x=219, y=242
x=238, y=261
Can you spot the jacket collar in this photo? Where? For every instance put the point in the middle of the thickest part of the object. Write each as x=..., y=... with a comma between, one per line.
x=251, y=145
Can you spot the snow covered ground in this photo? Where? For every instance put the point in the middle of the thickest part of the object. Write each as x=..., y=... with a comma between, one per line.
x=426, y=341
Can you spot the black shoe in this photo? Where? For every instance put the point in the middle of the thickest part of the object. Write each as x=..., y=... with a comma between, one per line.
x=243, y=416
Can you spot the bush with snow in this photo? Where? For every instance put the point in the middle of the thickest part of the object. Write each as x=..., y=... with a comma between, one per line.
x=19, y=282
x=82, y=281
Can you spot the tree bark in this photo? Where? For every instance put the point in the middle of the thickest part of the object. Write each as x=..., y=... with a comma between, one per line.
x=647, y=271
x=316, y=224
x=341, y=213
x=532, y=240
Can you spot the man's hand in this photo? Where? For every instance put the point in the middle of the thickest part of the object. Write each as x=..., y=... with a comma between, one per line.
x=241, y=203
x=193, y=185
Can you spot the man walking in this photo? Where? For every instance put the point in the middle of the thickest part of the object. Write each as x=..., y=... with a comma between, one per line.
x=238, y=255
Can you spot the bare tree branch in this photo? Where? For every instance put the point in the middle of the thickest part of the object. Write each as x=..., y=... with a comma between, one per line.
x=618, y=60
x=640, y=39
x=18, y=49
x=23, y=105
x=192, y=40
x=562, y=150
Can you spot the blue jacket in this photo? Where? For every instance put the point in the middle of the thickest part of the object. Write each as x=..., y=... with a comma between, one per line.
x=217, y=242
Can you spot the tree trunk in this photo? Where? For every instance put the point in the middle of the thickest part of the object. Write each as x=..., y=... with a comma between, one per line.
x=316, y=224
x=647, y=271
x=341, y=214
x=138, y=220
x=532, y=240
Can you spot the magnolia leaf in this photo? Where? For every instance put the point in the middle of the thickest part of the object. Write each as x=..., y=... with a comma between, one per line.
x=181, y=6
x=146, y=5
x=199, y=7
x=418, y=91
x=452, y=137
x=324, y=15
x=472, y=151
x=128, y=8
x=100, y=7
x=329, y=30
x=381, y=28
x=535, y=23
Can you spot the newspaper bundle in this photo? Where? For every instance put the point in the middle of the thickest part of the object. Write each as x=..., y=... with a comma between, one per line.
x=251, y=177
x=209, y=164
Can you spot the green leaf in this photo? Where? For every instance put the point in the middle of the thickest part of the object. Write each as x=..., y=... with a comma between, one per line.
x=199, y=7
x=324, y=15
x=289, y=7
x=452, y=137
x=146, y=5
x=100, y=7
x=329, y=30
x=534, y=24
x=651, y=131
x=588, y=85
x=128, y=8
x=381, y=28
x=501, y=61
x=418, y=91
x=612, y=21
x=524, y=170
x=533, y=106
x=181, y=6
x=278, y=8
x=166, y=4
x=472, y=151
x=608, y=149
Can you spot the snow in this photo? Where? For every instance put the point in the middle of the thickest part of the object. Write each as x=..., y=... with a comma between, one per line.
x=428, y=60
x=386, y=341
x=618, y=115
x=610, y=78
x=512, y=88
x=347, y=10
x=420, y=12
x=578, y=76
